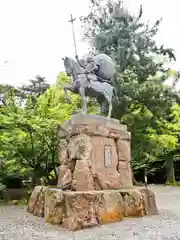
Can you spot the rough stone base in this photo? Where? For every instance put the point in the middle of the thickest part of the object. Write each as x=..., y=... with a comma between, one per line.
x=95, y=154
x=77, y=210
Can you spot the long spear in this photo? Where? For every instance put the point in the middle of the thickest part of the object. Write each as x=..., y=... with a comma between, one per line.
x=74, y=39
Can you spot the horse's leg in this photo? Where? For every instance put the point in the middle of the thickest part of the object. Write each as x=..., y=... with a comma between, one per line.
x=108, y=96
x=102, y=102
x=99, y=100
x=103, y=107
x=83, y=99
x=66, y=88
x=110, y=109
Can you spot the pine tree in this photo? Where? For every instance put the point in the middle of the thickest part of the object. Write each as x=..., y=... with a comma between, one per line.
x=139, y=61
x=145, y=102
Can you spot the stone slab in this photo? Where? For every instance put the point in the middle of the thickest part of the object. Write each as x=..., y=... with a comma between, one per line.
x=95, y=163
x=91, y=119
x=39, y=207
x=94, y=125
x=34, y=198
x=84, y=209
x=95, y=154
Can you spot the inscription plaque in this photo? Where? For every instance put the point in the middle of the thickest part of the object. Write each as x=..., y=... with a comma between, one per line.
x=107, y=155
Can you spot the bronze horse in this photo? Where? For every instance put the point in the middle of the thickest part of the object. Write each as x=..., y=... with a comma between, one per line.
x=87, y=84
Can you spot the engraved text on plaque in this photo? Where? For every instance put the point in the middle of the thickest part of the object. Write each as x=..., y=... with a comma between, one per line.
x=107, y=155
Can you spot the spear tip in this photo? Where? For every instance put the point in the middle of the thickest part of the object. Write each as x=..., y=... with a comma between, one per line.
x=72, y=19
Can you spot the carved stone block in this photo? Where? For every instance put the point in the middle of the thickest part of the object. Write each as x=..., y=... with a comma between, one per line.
x=95, y=150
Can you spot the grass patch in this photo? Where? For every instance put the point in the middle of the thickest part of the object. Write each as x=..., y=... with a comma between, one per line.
x=174, y=183
x=3, y=203
x=22, y=202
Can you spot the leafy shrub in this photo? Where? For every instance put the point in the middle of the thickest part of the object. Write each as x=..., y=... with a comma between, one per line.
x=2, y=189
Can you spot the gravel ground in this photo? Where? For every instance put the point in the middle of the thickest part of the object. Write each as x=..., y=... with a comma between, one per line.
x=17, y=224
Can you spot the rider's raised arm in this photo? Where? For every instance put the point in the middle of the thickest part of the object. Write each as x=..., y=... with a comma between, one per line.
x=79, y=62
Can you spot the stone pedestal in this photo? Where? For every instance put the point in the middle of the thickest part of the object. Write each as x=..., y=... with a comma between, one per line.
x=95, y=178
x=95, y=155
x=82, y=209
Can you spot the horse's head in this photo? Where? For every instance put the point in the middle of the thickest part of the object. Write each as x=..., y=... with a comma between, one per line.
x=72, y=67
x=68, y=64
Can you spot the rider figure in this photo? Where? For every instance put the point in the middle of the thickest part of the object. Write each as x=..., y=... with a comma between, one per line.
x=100, y=65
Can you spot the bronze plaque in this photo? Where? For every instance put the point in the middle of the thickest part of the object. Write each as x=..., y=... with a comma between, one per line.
x=107, y=155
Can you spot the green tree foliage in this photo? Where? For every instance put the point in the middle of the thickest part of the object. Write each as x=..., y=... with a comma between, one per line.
x=139, y=61
x=31, y=115
x=145, y=101
x=29, y=137
x=36, y=87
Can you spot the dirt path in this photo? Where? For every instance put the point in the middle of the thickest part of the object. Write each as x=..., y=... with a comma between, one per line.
x=17, y=224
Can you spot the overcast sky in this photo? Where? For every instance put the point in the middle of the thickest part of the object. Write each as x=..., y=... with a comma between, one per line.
x=35, y=34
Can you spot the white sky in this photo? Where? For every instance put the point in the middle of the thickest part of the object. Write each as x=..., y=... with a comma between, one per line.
x=35, y=34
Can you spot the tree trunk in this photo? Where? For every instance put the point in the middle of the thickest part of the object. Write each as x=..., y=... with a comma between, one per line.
x=135, y=183
x=170, y=170
x=35, y=180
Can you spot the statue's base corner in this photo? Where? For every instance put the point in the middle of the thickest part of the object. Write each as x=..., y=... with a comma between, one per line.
x=76, y=210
